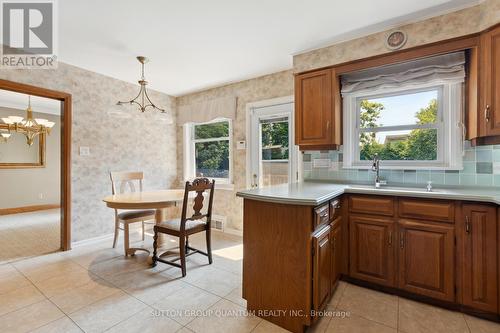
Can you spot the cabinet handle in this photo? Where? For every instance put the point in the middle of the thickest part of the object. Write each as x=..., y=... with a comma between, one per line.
x=328, y=125
x=467, y=224
x=487, y=113
x=390, y=238
x=402, y=240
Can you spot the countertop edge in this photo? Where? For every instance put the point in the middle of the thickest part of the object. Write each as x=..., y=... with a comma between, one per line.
x=347, y=189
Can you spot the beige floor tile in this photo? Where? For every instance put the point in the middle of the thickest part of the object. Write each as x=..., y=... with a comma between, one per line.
x=235, y=297
x=148, y=285
x=86, y=258
x=218, y=282
x=418, y=317
x=11, y=279
x=65, y=282
x=84, y=295
x=267, y=327
x=120, y=265
x=63, y=325
x=101, y=315
x=30, y=317
x=357, y=324
x=337, y=295
x=19, y=298
x=46, y=271
x=320, y=326
x=478, y=325
x=183, y=304
x=184, y=330
x=224, y=316
x=146, y=322
x=372, y=305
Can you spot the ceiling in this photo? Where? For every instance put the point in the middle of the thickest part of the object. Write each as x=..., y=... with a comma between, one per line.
x=19, y=101
x=197, y=44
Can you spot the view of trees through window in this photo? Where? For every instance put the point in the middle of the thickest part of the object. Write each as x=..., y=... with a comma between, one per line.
x=274, y=140
x=211, y=146
x=413, y=143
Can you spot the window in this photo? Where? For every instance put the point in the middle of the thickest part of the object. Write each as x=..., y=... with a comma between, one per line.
x=208, y=150
x=407, y=128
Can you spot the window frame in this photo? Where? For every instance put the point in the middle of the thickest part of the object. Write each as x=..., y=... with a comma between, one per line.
x=450, y=137
x=190, y=150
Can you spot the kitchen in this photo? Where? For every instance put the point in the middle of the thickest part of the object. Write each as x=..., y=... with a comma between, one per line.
x=309, y=173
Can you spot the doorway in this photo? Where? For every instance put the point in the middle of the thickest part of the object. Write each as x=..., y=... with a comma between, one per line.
x=273, y=156
x=34, y=170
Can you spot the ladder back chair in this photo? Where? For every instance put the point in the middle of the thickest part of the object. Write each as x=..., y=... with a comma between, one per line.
x=122, y=182
x=186, y=226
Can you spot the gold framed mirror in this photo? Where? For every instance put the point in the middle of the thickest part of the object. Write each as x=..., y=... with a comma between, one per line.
x=16, y=154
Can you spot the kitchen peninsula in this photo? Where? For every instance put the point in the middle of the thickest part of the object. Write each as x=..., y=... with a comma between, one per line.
x=439, y=247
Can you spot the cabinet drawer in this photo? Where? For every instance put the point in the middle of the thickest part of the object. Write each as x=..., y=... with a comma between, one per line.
x=334, y=209
x=321, y=215
x=434, y=210
x=379, y=205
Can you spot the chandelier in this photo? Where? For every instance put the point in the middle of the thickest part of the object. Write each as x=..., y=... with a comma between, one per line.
x=30, y=126
x=142, y=99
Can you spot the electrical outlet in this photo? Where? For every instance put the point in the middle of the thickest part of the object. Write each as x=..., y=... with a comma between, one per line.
x=84, y=151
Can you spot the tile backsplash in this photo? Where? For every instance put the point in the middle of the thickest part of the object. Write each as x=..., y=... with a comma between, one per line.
x=481, y=168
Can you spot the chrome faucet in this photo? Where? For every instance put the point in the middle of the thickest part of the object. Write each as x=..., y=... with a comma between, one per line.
x=376, y=168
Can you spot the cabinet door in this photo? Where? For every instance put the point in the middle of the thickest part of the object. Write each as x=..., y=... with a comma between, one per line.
x=336, y=239
x=313, y=108
x=427, y=259
x=479, y=246
x=322, y=253
x=489, y=97
x=372, y=249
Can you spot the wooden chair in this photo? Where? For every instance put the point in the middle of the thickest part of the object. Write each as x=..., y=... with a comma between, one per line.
x=186, y=226
x=119, y=183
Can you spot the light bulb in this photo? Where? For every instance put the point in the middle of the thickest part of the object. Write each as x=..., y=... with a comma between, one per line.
x=41, y=121
x=5, y=135
x=49, y=124
x=16, y=119
x=8, y=121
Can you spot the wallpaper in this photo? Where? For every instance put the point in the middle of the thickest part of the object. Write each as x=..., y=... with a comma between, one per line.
x=270, y=86
x=116, y=144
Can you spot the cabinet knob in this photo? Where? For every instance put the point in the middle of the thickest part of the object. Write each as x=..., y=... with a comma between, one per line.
x=467, y=224
x=487, y=113
x=390, y=238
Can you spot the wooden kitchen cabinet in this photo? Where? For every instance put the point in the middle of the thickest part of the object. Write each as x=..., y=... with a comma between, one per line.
x=322, y=268
x=317, y=110
x=489, y=82
x=336, y=242
x=427, y=259
x=479, y=252
x=372, y=249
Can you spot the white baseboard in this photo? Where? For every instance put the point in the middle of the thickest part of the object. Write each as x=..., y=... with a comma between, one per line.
x=93, y=240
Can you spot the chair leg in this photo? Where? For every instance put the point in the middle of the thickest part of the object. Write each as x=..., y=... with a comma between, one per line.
x=126, y=238
x=209, y=246
x=155, y=245
x=142, y=230
x=182, y=250
x=187, y=244
x=117, y=230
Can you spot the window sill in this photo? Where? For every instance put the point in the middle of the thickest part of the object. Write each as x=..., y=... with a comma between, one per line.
x=224, y=186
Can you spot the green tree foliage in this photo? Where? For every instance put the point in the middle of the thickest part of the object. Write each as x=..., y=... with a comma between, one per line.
x=421, y=144
x=275, y=138
x=212, y=158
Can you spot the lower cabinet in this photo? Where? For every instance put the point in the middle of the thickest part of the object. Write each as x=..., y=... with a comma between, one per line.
x=336, y=239
x=479, y=251
x=372, y=249
x=427, y=259
x=322, y=267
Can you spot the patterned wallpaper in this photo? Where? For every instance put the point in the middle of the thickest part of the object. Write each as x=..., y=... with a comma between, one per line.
x=455, y=24
x=138, y=143
x=481, y=168
x=270, y=86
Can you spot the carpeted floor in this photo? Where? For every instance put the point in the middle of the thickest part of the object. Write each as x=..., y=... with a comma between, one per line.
x=29, y=234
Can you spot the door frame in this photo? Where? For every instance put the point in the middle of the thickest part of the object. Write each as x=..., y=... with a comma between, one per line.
x=260, y=104
x=65, y=99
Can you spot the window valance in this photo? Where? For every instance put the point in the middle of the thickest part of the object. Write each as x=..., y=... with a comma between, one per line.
x=206, y=111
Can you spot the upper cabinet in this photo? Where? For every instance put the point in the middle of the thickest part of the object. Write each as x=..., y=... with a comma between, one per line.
x=317, y=110
x=489, y=84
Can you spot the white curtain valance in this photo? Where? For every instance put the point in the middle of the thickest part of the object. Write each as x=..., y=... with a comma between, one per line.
x=207, y=111
x=449, y=68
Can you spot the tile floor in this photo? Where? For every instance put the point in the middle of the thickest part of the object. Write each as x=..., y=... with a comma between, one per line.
x=94, y=289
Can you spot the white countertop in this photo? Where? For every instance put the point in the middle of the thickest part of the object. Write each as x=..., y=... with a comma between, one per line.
x=312, y=193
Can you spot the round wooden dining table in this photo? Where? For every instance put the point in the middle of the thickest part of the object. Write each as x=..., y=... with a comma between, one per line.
x=158, y=200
